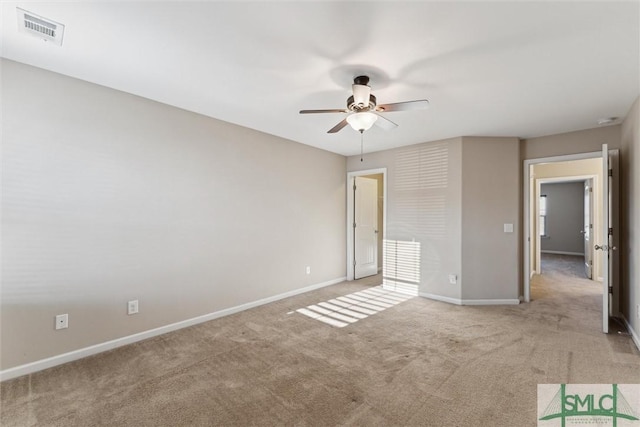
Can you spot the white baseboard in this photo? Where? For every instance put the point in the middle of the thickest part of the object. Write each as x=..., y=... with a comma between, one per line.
x=450, y=300
x=634, y=335
x=457, y=301
x=510, y=301
x=562, y=253
x=60, y=359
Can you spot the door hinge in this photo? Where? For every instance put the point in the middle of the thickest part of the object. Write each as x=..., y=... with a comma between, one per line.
x=354, y=185
x=590, y=226
x=590, y=262
x=610, y=289
x=610, y=172
x=354, y=225
x=354, y=262
x=610, y=231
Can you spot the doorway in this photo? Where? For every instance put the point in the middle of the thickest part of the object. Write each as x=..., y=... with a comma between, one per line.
x=366, y=222
x=564, y=220
x=605, y=261
x=587, y=225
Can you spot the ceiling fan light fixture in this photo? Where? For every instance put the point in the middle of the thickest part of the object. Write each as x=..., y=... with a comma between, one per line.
x=362, y=109
x=362, y=121
x=361, y=95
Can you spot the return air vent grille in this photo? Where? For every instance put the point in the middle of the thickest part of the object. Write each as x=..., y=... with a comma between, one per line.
x=40, y=27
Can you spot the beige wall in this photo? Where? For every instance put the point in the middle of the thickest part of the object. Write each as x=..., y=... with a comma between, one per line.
x=569, y=169
x=630, y=244
x=109, y=197
x=443, y=196
x=423, y=206
x=583, y=141
x=490, y=199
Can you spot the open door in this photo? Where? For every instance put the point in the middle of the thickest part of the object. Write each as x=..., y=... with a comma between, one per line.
x=365, y=227
x=587, y=229
x=604, y=239
x=609, y=234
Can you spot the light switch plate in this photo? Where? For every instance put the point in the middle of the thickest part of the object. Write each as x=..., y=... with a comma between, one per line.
x=508, y=228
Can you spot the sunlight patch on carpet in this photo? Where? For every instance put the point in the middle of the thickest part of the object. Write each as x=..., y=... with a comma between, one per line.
x=345, y=310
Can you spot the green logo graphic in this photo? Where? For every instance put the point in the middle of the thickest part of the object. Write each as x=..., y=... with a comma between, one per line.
x=613, y=405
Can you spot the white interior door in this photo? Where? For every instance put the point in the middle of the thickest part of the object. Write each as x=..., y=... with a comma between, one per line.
x=587, y=229
x=614, y=233
x=604, y=238
x=365, y=227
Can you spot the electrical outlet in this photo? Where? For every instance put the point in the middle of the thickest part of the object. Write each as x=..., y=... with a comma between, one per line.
x=62, y=321
x=308, y=270
x=453, y=279
x=132, y=307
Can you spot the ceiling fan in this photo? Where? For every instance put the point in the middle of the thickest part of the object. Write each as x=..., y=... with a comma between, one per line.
x=363, y=110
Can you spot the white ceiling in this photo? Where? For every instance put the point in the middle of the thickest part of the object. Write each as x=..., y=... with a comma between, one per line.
x=488, y=68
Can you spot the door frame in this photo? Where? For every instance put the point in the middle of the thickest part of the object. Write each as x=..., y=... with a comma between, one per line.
x=526, y=212
x=367, y=233
x=350, y=212
x=614, y=156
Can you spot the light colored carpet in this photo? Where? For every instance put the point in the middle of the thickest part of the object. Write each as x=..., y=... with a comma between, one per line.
x=420, y=362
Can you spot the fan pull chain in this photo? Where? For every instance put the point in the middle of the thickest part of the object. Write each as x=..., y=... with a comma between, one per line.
x=361, y=143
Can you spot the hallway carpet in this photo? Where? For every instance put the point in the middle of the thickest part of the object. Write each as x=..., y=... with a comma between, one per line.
x=418, y=363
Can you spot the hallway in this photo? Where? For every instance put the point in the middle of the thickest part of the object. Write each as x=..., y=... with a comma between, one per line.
x=563, y=266
x=563, y=286
x=567, y=294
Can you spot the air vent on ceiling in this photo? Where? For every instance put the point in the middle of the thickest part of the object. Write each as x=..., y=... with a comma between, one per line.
x=607, y=121
x=41, y=27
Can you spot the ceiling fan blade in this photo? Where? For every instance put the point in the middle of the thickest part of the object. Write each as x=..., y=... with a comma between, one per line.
x=385, y=123
x=403, y=106
x=338, y=127
x=335, y=110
